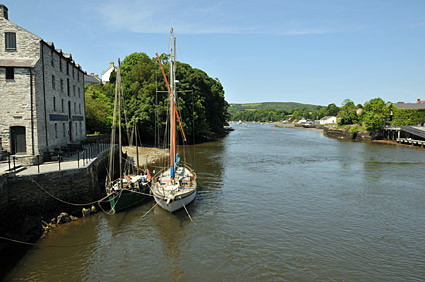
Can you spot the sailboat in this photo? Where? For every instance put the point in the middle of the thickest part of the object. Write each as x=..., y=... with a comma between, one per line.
x=175, y=186
x=131, y=189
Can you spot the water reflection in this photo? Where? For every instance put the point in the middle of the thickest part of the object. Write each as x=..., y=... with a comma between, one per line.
x=170, y=229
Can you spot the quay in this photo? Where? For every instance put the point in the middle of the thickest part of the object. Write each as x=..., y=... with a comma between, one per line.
x=411, y=135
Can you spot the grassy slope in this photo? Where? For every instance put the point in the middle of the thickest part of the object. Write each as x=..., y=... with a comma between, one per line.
x=283, y=106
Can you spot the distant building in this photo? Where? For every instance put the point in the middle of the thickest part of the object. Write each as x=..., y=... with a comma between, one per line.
x=328, y=120
x=107, y=73
x=302, y=120
x=41, y=91
x=420, y=104
x=92, y=79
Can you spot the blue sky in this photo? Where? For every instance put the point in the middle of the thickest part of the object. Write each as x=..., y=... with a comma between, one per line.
x=307, y=51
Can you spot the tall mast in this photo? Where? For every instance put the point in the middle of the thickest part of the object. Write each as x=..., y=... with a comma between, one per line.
x=119, y=119
x=172, y=114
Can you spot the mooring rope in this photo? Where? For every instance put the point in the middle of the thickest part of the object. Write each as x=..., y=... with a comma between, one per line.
x=17, y=241
x=187, y=212
x=149, y=211
x=65, y=202
x=137, y=192
x=112, y=210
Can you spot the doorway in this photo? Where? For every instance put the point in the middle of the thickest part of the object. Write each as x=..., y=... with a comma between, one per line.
x=18, y=144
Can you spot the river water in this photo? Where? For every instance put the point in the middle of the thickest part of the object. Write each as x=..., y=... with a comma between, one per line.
x=274, y=204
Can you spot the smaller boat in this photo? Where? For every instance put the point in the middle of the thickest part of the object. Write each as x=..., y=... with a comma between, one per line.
x=131, y=189
x=128, y=191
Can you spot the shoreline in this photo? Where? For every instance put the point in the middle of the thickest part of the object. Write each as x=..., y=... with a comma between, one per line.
x=147, y=155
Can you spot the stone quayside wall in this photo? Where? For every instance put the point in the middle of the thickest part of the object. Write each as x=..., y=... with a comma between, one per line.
x=23, y=203
x=343, y=134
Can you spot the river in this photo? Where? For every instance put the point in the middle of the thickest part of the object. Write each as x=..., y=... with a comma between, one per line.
x=274, y=204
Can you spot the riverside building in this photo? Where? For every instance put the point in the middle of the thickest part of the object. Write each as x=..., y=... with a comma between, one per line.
x=41, y=93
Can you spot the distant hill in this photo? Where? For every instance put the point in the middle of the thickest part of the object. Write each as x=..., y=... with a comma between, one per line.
x=282, y=106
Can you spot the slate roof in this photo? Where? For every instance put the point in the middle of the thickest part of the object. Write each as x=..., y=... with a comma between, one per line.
x=412, y=106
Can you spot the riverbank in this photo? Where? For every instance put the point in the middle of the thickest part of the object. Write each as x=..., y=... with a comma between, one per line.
x=361, y=136
x=147, y=155
x=34, y=203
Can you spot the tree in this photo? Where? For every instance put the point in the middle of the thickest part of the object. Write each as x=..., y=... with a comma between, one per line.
x=375, y=112
x=348, y=114
x=98, y=110
x=203, y=111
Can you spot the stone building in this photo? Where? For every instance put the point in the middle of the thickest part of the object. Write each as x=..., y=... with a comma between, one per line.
x=91, y=79
x=41, y=93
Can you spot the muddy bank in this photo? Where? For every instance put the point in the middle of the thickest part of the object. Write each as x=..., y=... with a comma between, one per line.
x=147, y=155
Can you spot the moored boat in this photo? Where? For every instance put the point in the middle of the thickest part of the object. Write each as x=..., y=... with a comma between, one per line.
x=131, y=189
x=175, y=186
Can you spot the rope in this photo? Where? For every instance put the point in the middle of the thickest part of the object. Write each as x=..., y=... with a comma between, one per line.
x=112, y=210
x=149, y=211
x=187, y=212
x=65, y=202
x=47, y=246
x=137, y=192
x=17, y=241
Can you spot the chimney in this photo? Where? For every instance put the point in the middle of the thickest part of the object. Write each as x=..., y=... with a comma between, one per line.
x=92, y=74
x=111, y=64
x=419, y=100
x=4, y=12
x=97, y=76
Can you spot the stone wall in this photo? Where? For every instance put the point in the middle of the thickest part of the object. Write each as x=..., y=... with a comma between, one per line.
x=21, y=196
x=347, y=135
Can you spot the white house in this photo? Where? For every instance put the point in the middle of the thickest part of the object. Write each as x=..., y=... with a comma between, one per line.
x=106, y=74
x=328, y=120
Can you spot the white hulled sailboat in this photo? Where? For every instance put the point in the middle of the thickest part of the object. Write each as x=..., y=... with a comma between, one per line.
x=175, y=186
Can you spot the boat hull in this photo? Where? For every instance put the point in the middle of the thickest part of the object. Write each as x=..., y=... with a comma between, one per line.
x=176, y=204
x=126, y=200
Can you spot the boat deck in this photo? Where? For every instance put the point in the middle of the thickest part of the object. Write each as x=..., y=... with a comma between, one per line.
x=184, y=182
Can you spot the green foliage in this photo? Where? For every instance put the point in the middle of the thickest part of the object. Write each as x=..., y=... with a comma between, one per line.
x=348, y=113
x=273, y=111
x=354, y=129
x=203, y=111
x=408, y=116
x=280, y=106
x=98, y=109
x=375, y=112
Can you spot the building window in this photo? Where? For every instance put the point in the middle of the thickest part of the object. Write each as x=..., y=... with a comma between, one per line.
x=81, y=128
x=78, y=76
x=56, y=130
x=53, y=82
x=54, y=104
x=67, y=85
x=67, y=68
x=51, y=56
x=73, y=73
x=79, y=95
x=10, y=73
x=63, y=129
x=73, y=90
x=61, y=85
x=60, y=63
x=79, y=108
x=76, y=128
x=10, y=40
x=63, y=109
x=75, y=107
